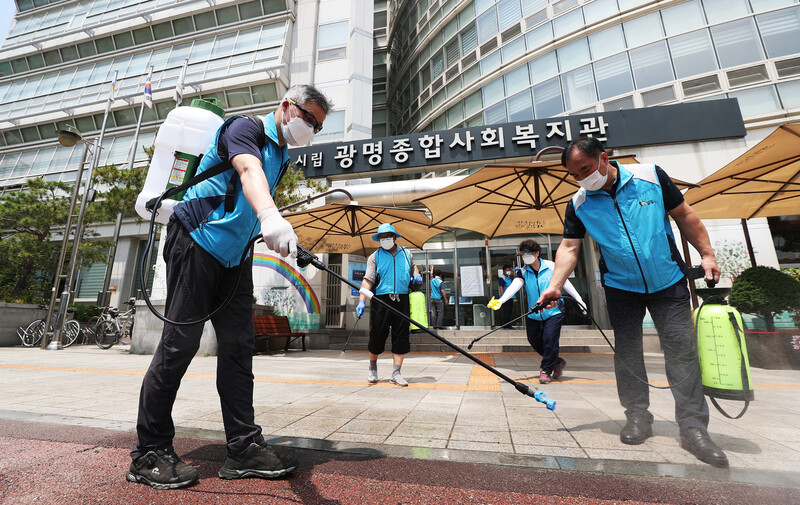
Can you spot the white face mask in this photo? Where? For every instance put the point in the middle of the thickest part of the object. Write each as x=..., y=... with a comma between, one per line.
x=529, y=259
x=508, y=273
x=595, y=180
x=387, y=243
x=297, y=131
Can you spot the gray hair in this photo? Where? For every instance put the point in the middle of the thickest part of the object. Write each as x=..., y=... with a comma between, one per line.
x=302, y=93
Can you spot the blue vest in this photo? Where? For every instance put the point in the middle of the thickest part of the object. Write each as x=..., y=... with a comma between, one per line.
x=632, y=230
x=436, y=289
x=395, y=271
x=535, y=283
x=222, y=234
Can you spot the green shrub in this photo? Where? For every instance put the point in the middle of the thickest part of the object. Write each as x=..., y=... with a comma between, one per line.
x=765, y=291
x=84, y=312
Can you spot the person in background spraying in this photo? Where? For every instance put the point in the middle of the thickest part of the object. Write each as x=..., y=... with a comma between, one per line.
x=395, y=268
x=543, y=327
x=503, y=284
x=206, y=236
x=438, y=299
x=626, y=210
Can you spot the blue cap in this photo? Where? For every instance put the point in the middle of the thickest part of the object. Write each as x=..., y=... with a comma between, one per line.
x=385, y=228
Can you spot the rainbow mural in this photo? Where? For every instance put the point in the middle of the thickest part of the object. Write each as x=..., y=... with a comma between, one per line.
x=294, y=277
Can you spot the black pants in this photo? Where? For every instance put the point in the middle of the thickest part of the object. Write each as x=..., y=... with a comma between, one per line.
x=506, y=311
x=196, y=285
x=383, y=321
x=544, y=337
x=671, y=313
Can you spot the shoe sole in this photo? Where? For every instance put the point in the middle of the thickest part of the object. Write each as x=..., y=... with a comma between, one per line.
x=397, y=384
x=716, y=463
x=638, y=441
x=263, y=474
x=141, y=479
x=370, y=381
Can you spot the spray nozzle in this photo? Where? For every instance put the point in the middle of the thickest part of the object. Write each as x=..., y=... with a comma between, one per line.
x=305, y=258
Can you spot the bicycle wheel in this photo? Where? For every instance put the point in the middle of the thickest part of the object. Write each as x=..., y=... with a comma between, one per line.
x=126, y=332
x=90, y=330
x=69, y=334
x=34, y=333
x=106, y=335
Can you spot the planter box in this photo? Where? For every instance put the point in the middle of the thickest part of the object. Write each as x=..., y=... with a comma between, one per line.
x=772, y=350
x=14, y=315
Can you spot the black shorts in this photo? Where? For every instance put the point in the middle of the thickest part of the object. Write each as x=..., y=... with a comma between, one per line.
x=384, y=321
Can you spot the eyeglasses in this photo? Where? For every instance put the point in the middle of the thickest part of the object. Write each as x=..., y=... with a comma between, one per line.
x=308, y=117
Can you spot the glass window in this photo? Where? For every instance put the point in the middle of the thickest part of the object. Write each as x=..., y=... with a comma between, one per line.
x=780, y=31
x=579, y=90
x=516, y=80
x=250, y=10
x=573, y=55
x=547, y=99
x=272, y=6
x=719, y=11
x=491, y=63
x=519, y=106
x=142, y=35
x=543, y=67
x=183, y=26
x=455, y=115
x=35, y=61
x=69, y=53
x=437, y=65
x=123, y=40
x=764, y=5
x=613, y=76
x=651, y=65
x=205, y=20
x=30, y=134
x=513, y=50
x=480, y=5
x=334, y=127
x=737, y=42
x=9, y=162
x=509, y=13
x=238, y=97
x=223, y=45
x=104, y=44
x=47, y=131
x=757, y=101
x=162, y=30
x=247, y=40
x=52, y=57
x=683, y=18
x=227, y=15
x=599, y=9
x=790, y=94
x=473, y=103
x=531, y=6
x=124, y=117
x=619, y=104
x=630, y=4
x=272, y=35
x=692, y=54
x=332, y=35
x=487, y=25
x=42, y=162
x=24, y=164
x=607, y=42
x=538, y=37
x=493, y=91
x=495, y=114
x=469, y=39
x=643, y=30
x=452, y=53
x=568, y=23
x=86, y=49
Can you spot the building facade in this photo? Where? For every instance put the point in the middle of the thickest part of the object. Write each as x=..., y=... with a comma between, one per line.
x=400, y=67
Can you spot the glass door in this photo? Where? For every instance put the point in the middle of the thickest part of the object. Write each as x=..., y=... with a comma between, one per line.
x=441, y=260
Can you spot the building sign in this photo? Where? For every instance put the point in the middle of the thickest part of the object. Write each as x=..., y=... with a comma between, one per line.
x=686, y=122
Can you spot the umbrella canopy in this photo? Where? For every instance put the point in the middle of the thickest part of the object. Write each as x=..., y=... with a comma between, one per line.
x=348, y=229
x=762, y=182
x=502, y=200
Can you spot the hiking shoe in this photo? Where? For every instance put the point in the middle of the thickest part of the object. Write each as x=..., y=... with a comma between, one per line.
x=399, y=380
x=544, y=377
x=258, y=460
x=372, y=378
x=161, y=469
x=558, y=369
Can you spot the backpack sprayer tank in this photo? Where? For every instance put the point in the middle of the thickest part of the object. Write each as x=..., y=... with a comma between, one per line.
x=721, y=346
x=181, y=140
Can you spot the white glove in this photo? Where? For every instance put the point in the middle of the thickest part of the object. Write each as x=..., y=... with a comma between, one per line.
x=277, y=232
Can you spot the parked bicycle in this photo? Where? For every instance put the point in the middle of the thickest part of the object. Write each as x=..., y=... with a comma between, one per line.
x=33, y=333
x=111, y=326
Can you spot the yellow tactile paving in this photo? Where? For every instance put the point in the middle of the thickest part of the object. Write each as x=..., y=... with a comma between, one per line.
x=479, y=380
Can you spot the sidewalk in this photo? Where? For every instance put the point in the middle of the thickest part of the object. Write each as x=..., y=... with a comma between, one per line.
x=452, y=410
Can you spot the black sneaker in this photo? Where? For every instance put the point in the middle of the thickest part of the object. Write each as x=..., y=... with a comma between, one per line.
x=258, y=460
x=162, y=469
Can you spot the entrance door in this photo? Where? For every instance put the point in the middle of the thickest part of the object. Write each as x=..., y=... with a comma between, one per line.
x=500, y=259
x=441, y=260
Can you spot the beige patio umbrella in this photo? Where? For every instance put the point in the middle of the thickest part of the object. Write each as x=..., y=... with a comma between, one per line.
x=497, y=200
x=348, y=228
x=762, y=182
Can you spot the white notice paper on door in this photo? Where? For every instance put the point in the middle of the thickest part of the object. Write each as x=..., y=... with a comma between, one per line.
x=471, y=280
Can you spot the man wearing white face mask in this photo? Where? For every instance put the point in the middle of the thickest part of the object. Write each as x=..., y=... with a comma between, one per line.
x=206, y=236
x=626, y=210
x=394, y=268
x=543, y=327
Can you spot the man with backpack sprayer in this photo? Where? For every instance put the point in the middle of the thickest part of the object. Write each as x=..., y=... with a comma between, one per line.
x=396, y=269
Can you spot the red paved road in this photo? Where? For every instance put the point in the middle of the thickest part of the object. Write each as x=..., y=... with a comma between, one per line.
x=57, y=464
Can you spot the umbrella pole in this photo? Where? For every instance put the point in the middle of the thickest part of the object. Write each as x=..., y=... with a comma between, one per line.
x=748, y=242
x=305, y=258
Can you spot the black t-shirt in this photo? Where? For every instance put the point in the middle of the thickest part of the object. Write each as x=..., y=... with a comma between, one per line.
x=241, y=136
x=573, y=227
